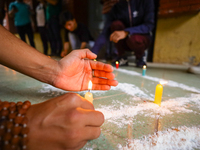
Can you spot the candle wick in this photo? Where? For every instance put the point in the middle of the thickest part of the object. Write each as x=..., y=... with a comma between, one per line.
x=89, y=90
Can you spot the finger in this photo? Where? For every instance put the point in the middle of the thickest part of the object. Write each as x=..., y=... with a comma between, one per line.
x=117, y=39
x=91, y=133
x=73, y=100
x=103, y=81
x=104, y=74
x=104, y=86
x=80, y=145
x=101, y=66
x=111, y=37
x=91, y=117
x=101, y=87
x=86, y=53
x=85, y=104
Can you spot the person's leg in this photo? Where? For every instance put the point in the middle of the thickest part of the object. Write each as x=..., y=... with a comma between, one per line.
x=102, y=39
x=138, y=43
x=51, y=38
x=57, y=35
x=21, y=32
x=74, y=41
x=29, y=31
x=43, y=35
x=121, y=45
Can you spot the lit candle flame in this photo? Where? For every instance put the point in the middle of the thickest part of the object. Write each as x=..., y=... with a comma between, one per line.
x=95, y=60
x=90, y=85
x=117, y=62
x=144, y=67
x=163, y=82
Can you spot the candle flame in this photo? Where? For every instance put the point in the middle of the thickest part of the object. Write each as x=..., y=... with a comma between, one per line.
x=90, y=85
x=95, y=60
x=163, y=82
x=144, y=67
x=117, y=62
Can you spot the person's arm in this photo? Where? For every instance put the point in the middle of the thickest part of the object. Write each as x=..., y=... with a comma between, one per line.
x=148, y=20
x=118, y=35
x=83, y=45
x=52, y=2
x=66, y=49
x=71, y=73
x=12, y=11
x=64, y=122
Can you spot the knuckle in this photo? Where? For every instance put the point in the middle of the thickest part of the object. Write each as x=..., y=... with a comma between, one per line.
x=73, y=116
x=73, y=134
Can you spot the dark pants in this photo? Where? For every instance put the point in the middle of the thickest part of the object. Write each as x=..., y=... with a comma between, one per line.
x=136, y=42
x=26, y=29
x=54, y=36
x=44, y=38
x=103, y=39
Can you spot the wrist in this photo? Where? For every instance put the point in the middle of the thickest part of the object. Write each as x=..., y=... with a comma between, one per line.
x=49, y=72
x=13, y=122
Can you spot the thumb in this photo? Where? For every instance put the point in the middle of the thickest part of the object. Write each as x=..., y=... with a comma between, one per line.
x=86, y=53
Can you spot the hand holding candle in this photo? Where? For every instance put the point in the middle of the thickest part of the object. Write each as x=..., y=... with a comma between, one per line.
x=158, y=92
x=89, y=95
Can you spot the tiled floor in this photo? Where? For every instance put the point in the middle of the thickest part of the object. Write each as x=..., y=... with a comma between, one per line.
x=132, y=120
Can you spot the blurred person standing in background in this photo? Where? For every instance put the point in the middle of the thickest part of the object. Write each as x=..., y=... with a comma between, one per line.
x=41, y=24
x=77, y=35
x=2, y=11
x=103, y=38
x=53, y=11
x=22, y=20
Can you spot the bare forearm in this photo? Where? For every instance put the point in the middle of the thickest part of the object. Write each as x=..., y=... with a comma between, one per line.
x=21, y=57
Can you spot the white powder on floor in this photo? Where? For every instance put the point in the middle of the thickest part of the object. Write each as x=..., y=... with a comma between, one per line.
x=124, y=87
x=131, y=90
x=120, y=114
x=170, y=83
x=182, y=138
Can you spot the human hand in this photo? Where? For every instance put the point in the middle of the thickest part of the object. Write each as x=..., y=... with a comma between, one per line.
x=64, y=122
x=74, y=72
x=118, y=35
x=63, y=53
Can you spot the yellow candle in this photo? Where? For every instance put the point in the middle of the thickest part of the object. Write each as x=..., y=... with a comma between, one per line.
x=158, y=94
x=89, y=95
